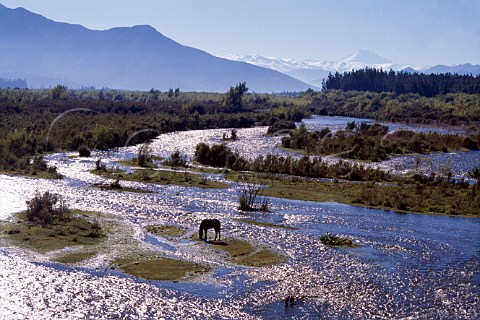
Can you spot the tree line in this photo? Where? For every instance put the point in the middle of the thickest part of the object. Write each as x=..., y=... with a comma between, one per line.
x=15, y=83
x=428, y=85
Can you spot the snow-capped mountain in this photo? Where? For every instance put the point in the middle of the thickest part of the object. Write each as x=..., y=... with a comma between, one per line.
x=314, y=71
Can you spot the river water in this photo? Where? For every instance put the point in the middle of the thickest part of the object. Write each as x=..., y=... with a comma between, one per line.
x=406, y=265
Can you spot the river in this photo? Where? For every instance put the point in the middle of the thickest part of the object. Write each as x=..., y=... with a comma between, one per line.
x=406, y=265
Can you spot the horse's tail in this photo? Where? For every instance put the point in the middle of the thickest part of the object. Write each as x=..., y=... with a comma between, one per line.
x=200, y=233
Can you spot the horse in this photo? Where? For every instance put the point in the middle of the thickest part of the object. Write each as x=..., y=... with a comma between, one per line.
x=209, y=224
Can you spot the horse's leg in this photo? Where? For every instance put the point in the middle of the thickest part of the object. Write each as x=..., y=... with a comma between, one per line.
x=218, y=234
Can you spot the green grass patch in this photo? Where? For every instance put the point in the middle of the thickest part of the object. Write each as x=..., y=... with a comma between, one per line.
x=134, y=162
x=75, y=257
x=265, y=224
x=77, y=230
x=33, y=174
x=163, y=177
x=162, y=269
x=260, y=258
x=439, y=198
x=167, y=231
x=243, y=253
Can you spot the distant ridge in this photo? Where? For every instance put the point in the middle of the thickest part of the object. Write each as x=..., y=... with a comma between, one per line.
x=47, y=53
x=313, y=72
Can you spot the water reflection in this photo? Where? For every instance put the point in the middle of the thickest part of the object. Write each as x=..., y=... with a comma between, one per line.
x=408, y=265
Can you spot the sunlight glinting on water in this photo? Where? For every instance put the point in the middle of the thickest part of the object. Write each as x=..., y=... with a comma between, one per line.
x=407, y=265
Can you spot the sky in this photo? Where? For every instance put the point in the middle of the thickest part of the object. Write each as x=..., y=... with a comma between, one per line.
x=420, y=33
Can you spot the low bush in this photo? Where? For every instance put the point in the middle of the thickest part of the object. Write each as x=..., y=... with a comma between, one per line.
x=84, y=151
x=331, y=240
x=177, y=159
x=47, y=208
x=143, y=155
x=250, y=199
x=219, y=155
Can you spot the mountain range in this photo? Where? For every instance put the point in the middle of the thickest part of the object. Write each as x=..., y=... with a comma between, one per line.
x=313, y=72
x=47, y=53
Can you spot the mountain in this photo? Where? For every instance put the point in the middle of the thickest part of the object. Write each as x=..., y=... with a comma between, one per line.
x=47, y=53
x=313, y=72
x=461, y=69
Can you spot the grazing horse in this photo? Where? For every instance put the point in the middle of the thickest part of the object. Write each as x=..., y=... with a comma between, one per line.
x=209, y=224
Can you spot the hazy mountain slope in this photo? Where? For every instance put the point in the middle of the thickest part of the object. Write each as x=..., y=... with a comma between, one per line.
x=130, y=58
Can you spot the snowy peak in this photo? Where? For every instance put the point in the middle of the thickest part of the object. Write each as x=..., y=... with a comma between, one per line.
x=279, y=64
x=366, y=57
x=360, y=59
x=313, y=72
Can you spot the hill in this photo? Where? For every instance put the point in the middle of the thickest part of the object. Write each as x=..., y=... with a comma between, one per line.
x=46, y=53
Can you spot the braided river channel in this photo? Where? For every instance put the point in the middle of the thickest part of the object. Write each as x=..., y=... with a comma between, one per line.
x=409, y=265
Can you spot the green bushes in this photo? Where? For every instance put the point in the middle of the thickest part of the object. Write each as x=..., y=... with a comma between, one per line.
x=176, y=159
x=450, y=109
x=219, y=155
x=424, y=194
x=331, y=240
x=84, y=151
x=372, y=142
x=279, y=126
x=47, y=208
x=314, y=167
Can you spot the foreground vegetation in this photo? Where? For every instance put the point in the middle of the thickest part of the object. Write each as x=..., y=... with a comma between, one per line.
x=49, y=225
x=160, y=269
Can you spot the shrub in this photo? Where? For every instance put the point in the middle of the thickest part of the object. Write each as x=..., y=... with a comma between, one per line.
x=331, y=240
x=177, y=159
x=250, y=200
x=280, y=126
x=99, y=166
x=143, y=155
x=39, y=164
x=116, y=184
x=84, y=151
x=219, y=155
x=46, y=208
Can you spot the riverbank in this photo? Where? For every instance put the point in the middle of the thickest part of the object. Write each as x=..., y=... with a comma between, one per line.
x=415, y=198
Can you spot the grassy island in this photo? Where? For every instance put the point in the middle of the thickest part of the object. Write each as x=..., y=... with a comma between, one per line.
x=161, y=177
x=48, y=225
x=243, y=253
x=160, y=268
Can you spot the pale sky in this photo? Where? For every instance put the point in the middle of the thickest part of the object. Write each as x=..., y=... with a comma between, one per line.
x=418, y=32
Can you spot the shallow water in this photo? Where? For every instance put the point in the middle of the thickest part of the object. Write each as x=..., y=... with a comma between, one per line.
x=407, y=265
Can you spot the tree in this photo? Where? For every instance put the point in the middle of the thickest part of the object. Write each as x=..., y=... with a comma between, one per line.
x=59, y=93
x=233, y=98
